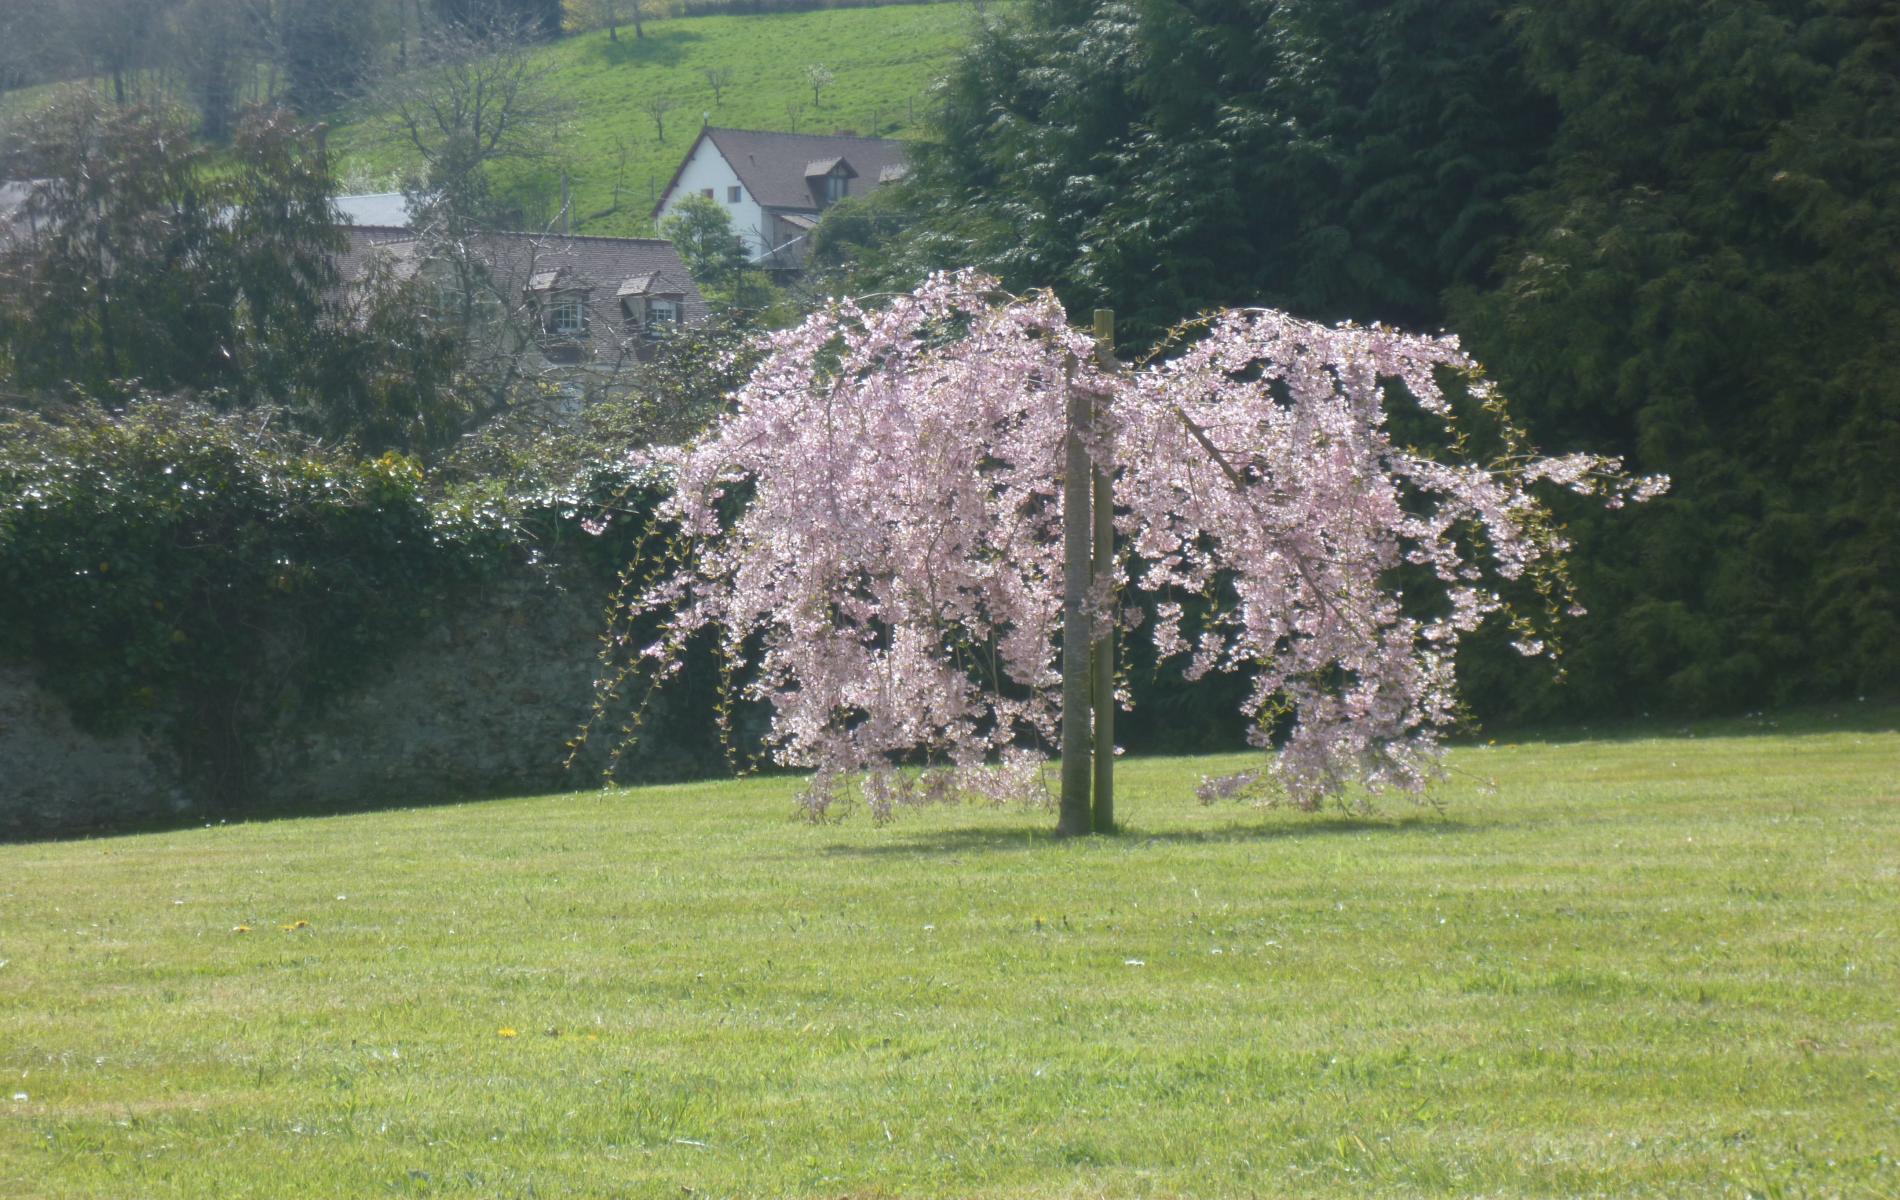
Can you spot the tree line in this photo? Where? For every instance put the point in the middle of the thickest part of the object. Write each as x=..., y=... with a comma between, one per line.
x=218, y=55
x=1671, y=231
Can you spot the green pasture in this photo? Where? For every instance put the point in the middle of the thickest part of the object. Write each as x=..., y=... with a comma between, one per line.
x=1648, y=966
x=884, y=61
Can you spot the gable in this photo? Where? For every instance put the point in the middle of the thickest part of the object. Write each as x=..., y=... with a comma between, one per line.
x=777, y=168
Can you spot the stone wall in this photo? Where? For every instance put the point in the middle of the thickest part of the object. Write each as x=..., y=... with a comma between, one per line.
x=483, y=704
x=54, y=775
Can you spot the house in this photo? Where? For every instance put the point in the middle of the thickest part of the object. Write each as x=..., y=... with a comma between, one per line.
x=776, y=185
x=559, y=300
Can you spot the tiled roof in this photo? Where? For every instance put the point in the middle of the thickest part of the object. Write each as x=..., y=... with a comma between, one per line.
x=774, y=166
x=368, y=243
x=601, y=267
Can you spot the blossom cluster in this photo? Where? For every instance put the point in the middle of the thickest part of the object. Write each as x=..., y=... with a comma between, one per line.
x=873, y=532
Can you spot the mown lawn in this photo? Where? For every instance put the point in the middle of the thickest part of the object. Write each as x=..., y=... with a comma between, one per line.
x=1648, y=967
x=884, y=61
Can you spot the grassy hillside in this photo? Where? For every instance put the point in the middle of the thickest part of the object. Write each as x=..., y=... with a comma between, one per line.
x=884, y=61
x=1634, y=968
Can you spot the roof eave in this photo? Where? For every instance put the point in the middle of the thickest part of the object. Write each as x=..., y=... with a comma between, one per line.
x=666, y=192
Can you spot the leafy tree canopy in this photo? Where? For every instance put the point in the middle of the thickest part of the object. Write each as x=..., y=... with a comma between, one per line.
x=144, y=269
x=1709, y=281
x=1337, y=159
x=1671, y=229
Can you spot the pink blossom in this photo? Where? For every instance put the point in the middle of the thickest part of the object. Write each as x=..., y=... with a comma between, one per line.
x=890, y=585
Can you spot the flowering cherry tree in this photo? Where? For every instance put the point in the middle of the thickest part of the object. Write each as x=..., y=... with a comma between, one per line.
x=874, y=535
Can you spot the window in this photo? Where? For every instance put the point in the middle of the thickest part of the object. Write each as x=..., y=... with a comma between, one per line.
x=662, y=312
x=566, y=315
x=733, y=194
x=834, y=188
x=706, y=192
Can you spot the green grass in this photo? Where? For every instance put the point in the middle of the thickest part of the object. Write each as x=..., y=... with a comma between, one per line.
x=884, y=60
x=1660, y=967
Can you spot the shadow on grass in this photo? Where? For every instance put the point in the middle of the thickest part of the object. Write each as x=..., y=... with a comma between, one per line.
x=1847, y=717
x=474, y=792
x=985, y=841
x=1844, y=717
x=666, y=48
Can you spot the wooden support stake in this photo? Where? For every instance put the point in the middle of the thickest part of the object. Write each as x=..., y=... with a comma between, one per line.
x=1104, y=697
x=1077, y=565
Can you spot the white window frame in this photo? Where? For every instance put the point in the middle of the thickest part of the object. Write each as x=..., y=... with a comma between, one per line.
x=567, y=315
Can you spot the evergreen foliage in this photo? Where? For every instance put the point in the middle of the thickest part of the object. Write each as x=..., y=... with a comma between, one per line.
x=1709, y=282
x=144, y=269
x=327, y=50
x=1336, y=159
x=144, y=265
x=1671, y=229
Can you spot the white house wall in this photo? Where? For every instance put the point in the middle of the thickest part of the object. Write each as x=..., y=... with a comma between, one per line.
x=707, y=168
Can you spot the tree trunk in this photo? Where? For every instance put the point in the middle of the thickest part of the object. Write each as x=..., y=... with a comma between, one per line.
x=1104, y=698
x=1074, y=817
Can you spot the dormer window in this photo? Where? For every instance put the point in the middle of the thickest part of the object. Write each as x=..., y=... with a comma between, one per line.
x=566, y=315
x=664, y=313
x=829, y=180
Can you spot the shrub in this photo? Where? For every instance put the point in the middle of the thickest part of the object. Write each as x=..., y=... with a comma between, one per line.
x=199, y=577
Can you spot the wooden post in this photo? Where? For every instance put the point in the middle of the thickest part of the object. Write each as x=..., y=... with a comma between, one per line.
x=1104, y=697
x=1077, y=566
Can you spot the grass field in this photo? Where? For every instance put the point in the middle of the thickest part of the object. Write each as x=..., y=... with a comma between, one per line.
x=1620, y=968
x=884, y=61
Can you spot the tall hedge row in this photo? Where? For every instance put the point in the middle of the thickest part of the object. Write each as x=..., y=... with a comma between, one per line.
x=193, y=572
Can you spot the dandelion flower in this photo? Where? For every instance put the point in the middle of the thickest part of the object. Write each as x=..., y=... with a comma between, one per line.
x=505, y=1031
x=294, y=926
x=240, y=929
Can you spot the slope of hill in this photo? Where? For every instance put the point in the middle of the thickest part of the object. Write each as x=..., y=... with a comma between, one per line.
x=883, y=61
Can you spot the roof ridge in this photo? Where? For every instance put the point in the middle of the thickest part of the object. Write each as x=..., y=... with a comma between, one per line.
x=852, y=137
x=410, y=233
x=591, y=237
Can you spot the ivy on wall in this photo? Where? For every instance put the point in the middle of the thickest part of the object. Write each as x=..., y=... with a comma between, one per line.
x=194, y=575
